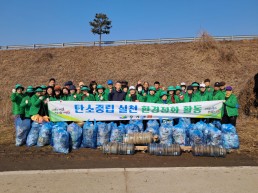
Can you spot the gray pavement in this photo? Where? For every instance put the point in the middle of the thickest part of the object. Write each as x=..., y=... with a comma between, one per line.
x=149, y=180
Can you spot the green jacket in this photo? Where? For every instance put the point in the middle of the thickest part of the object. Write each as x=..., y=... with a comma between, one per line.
x=160, y=101
x=88, y=98
x=72, y=98
x=230, y=105
x=158, y=92
x=202, y=96
x=218, y=95
x=139, y=97
x=103, y=97
x=151, y=99
x=25, y=108
x=16, y=101
x=35, y=105
x=177, y=100
x=187, y=98
x=209, y=89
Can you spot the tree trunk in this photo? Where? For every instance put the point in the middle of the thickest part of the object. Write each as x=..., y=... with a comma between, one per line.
x=99, y=40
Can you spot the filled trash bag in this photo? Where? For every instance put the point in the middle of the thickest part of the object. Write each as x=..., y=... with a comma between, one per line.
x=139, y=123
x=131, y=128
x=196, y=137
x=153, y=127
x=185, y=121
x=45, y=134
x=61, y=141
x=179, y=134
x=58, y=125
x=217, y=124
x=214, y=136
x=103, y=134
x=201, y=126
x=165, y=134
x=89, y=135
x=22, y=128
x=75, y=134
x=117, y=133
x=228, y=128
x=33, y=135
x=230, y=141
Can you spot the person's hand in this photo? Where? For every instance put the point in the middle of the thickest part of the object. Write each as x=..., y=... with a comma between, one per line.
x=26, y=101
x=87, y=94
x=46, y=101
x=137, y=101
x=101, y=98
x=13, y=91
x=41, y=98
x=129, y=95
x=74, y=96
x=181, y=97
x=144, y=94
x=163, y=88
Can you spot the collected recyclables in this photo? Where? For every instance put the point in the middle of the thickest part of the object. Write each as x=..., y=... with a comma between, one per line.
x=209, y=150
x=22, y=128
x=163, y=149
x=103, y=134
x=165, y=133
x=214, y=136
x=89, y=135
x=117, y=133
x=118, y=148
x=196, y=137
x=139, y=123
x=153, y=127
x=179, y=134
x=60, y=141
x=138, y=138
x=33, y=135
x=75, y=132
x=230, y=138
x=132, y=128
x=45, y=134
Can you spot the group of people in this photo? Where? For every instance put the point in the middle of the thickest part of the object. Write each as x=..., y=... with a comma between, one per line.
x=34, y=100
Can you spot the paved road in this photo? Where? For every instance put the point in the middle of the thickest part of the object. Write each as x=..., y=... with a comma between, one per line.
x=162, y=180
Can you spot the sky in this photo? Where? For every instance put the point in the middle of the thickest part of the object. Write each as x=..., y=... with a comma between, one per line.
x=25, y=22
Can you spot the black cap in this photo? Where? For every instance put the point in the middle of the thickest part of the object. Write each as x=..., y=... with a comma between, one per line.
x=190, y=88
x=207, y=80
x=217, y=84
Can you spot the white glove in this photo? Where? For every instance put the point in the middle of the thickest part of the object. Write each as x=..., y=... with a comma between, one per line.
x=26, y=101
x=101, y=98
x=41, y=98
x=13, y=91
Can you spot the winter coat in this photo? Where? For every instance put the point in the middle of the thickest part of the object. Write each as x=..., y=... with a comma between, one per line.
x=231, y=106
x=16, y=101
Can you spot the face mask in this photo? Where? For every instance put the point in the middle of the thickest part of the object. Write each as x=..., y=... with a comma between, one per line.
x=140, y=89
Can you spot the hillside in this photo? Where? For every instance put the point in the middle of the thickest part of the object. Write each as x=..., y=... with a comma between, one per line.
x=235, y=62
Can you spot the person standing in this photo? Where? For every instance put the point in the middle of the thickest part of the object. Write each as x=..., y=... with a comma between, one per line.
x=222, y=87
x=164, y=98
x=101, y=94
x=203, y=95
x=151, y=97
x=172, y=96
x=86, y=95
x=37, y=102
x=158, y=89
x=117, y=94
x=231, y=106
x=16, y=98
x=26, y=102
x=207, y=83
x=217, y=94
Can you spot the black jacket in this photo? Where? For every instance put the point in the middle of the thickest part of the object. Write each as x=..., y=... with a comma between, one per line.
x=116, y=95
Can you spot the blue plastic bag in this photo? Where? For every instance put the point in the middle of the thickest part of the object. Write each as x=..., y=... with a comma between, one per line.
x=103, y=135
x=230, y=141
x=165, y=133
x=75, y=133
x=89, y=135
x=185, y=121
x=217, y=124
x=33, y=135
x=201, y=126
x=138, y=123
x=214, y=136
x=196, y=137
x=45, y=134
x=131, y=128
x=58, y=125
x=228, y=128
x=61, y=141
x=117, y=133
x=179, y=134
x=22, y=128
x=153, y=127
